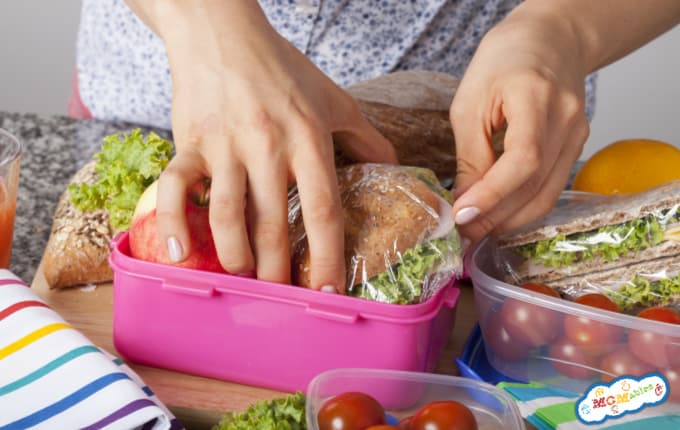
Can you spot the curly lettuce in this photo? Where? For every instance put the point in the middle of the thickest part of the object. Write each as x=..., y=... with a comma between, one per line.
x=641, y=292
x=125, y=166
x=402, y=283
x=285, y=413
x=609, y=243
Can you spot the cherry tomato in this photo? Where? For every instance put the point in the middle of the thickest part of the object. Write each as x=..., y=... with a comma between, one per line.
x=498, y=341
x=570, y=360
x=405, y=423
x=350, y=411
x=593, y=337
x=622, y=362
x=444, y=415
x=660, y=313
x=673, y=377
x=652, y=347
x=382, y=427
x=540, y=288
x=529, y=324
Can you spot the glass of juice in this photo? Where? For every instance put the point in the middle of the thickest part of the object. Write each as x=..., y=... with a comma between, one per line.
x=10, y=155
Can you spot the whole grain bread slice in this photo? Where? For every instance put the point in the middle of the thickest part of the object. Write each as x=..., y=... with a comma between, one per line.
x=590, y=213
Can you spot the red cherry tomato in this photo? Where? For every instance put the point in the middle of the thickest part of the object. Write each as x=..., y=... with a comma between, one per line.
x=382, y=427
x=673, y=377
x=529, y=324
x=570, y=360
x=660, y=313
x=593, y=337
x=622, y=362
x=540, y=288
x=444, y=415
x=498, y=341
x=350, y=411
x=652, y=347
x=405, y=423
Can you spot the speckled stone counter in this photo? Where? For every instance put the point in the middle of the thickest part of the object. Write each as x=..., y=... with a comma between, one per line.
x=55, y=147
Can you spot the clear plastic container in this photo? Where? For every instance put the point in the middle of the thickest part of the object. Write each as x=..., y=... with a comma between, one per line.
x=402, y=393
x=526, y=335
x=262, y=333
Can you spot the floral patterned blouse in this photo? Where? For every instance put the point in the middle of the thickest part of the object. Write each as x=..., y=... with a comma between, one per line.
x=123, y=74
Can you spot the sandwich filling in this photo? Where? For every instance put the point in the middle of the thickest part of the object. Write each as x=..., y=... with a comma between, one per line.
x=607, y=243
x=643, y=292
x=403, y=282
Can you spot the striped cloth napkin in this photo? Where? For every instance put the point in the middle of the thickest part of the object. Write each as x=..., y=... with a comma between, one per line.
x=548, y=408
x=53, y=377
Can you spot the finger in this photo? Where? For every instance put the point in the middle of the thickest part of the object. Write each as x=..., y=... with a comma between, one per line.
x=523, y=156
x=268, y=216
x=474, y=152
x=184, y=170
x=321, y=213
x=553, y=186
x=523, y=206
x=227, y=215
x=360, y=140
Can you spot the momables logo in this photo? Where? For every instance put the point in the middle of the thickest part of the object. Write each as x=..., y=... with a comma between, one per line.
x=624, y=395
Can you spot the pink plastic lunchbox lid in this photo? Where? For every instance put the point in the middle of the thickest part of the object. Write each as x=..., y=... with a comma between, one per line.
x=327, y=305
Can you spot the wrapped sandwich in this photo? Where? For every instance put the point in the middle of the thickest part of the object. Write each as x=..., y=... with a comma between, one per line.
x=400, y=242
x=625, y=246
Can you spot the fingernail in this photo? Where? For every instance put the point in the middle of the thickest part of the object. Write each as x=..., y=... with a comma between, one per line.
x=466, y=215
x=329, y=289
x=174, y=249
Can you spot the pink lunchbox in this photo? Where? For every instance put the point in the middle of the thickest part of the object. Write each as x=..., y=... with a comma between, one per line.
x=262, y=333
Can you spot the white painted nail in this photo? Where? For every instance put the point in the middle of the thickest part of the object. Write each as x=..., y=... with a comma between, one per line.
x=174, y=249
x=329, y=289
x=466, y=215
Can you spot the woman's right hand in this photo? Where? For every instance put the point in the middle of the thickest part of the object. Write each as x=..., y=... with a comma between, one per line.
x=254, y=114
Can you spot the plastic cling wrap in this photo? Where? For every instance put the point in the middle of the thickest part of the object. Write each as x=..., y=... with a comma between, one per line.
x=595, y=233
x=625, y=247
x=400, y=242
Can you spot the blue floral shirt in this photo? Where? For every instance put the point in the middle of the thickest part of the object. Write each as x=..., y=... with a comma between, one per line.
x=123, y=71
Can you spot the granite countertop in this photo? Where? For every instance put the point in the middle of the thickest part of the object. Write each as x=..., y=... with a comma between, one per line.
x=55, y=147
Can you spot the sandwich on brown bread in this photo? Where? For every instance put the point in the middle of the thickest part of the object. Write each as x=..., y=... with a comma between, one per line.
x=596, y=234
x=398, y=234
x=632, y=287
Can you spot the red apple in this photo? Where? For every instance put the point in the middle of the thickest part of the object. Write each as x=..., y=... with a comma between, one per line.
x=145, y=243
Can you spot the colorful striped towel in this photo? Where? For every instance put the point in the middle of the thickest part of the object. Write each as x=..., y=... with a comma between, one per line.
x=52, y=377
x=550, y=408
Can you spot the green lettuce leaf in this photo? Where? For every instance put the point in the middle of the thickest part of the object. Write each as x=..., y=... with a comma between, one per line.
x=126, y=165
x=642, y=292
x=285, y=413
x=403, y=282
x=609, y=242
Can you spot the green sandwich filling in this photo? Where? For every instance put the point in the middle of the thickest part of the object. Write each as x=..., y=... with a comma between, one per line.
x=608, y=243
x=403, y=282
x=642, y=292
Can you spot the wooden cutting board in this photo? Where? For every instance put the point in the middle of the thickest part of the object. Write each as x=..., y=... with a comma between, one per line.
x=199, y=402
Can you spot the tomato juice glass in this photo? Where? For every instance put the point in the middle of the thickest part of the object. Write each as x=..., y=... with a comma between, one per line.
x=10, y=156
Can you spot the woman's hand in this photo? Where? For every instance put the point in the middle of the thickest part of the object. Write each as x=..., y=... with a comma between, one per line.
x=254, y=114
x=528, y=74
x=529, y=78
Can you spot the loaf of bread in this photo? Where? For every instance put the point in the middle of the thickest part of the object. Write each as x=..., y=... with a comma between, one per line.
x=411, y=109
x=78, y=248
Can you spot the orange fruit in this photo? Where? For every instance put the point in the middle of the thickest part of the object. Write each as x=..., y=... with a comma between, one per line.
x=628, y=166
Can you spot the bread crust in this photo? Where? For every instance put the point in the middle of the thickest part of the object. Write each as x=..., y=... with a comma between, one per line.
x=387, y=210
x=78, y=248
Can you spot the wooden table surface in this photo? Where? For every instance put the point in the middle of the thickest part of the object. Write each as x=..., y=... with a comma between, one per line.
x=199, y=402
